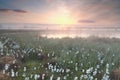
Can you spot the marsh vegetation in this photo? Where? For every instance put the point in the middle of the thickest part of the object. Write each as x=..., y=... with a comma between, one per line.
x=25, y=56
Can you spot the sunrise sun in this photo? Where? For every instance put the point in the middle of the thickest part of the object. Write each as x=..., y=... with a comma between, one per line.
x=63, y=19
x=62, y=16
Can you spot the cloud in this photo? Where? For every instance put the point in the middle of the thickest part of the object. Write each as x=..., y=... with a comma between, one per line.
x=13, y=10
x=20, y=11
x=86, y=21
x=100, y=11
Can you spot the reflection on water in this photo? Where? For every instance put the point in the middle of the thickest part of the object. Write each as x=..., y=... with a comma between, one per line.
x=82, y=33
x=55, y=31
x=63, y=35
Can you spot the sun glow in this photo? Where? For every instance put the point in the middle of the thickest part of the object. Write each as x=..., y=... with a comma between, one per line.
x=62, y=16
x=64, y=19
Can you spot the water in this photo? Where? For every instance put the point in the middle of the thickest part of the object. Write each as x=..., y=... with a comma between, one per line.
x=109, y=33
x=60, y=31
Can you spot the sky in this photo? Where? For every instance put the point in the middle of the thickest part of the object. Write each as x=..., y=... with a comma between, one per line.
x=83, y=12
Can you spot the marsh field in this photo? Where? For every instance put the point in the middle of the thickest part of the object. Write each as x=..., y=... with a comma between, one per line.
x=25, y=55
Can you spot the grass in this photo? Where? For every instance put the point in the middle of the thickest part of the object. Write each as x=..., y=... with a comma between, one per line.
x=72, y=56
